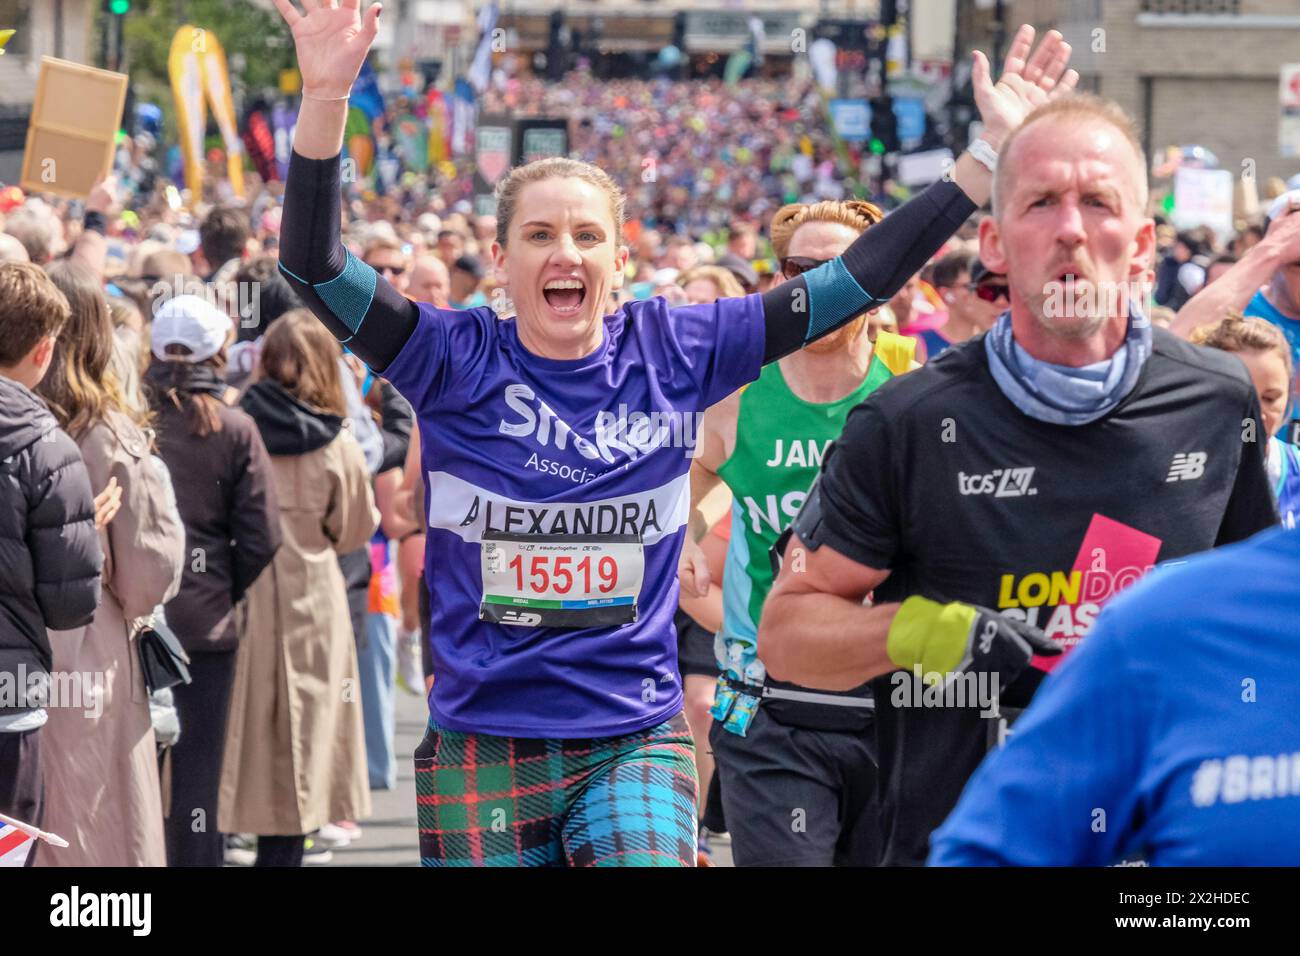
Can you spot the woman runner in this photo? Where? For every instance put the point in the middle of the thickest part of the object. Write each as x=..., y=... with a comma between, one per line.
x=556, y=446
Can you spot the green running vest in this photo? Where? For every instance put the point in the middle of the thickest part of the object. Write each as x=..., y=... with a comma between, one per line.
x=780, y=441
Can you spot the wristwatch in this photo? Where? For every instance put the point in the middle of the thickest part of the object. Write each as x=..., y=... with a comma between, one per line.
x=981, y=150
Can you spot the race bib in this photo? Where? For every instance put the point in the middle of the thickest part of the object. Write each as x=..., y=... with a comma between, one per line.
x=561, y=580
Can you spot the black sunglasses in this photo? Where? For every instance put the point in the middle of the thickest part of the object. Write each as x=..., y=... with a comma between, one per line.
x=792, y=266
x=991, y=292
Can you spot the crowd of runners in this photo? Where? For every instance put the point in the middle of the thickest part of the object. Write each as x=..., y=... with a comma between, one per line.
x=680, y=547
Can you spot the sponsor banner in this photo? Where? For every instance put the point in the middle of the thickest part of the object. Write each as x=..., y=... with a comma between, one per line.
x=197, y=65
x=217, y=82
x=540, y=138
x=492, y=151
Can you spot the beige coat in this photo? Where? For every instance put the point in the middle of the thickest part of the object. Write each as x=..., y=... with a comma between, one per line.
x=101, y=773
x=295, y=746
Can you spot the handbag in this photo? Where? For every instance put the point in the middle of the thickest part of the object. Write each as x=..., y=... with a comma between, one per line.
x=162, y=659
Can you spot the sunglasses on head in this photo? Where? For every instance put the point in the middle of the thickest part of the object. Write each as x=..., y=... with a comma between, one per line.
x=792, y=266
x=991, y=292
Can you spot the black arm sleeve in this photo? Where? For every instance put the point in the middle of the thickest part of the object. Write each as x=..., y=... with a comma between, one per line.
x=359, y=306
x=880, y=260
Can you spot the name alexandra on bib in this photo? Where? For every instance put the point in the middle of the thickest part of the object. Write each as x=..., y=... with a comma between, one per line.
x=626, y=517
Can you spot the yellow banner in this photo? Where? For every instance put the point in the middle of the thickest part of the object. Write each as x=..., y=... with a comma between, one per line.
x=197, y=65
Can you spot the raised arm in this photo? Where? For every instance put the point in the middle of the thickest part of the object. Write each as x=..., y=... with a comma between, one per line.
x=815, y=629
x=878, y=263
x=1233, y=291
x=357, y=305
x=867, y=274
x=91, y=248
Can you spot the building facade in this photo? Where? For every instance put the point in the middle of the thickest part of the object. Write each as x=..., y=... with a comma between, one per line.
x=61, y=28
x=1202, y=72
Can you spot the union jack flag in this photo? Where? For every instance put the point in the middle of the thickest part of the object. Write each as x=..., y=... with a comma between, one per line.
x=14, y=845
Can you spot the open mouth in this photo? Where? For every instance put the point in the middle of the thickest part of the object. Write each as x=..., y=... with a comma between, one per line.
x=565, y=296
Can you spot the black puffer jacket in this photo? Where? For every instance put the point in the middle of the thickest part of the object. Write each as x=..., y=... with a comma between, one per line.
x=50, y=557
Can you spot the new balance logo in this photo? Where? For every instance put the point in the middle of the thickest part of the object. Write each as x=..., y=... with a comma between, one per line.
x=1186, y=466
x=1000, y=483
x=521, y=618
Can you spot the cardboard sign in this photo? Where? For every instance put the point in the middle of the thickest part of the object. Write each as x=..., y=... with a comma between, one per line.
x=75, y=118
x=1203, y=197
x=921, y=169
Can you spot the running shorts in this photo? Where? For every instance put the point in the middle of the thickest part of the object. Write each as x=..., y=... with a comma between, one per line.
x=518, y=801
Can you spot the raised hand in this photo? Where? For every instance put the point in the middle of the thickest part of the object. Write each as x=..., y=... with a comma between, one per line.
x=105, y=197
x=331, y=39
x=1026, y=82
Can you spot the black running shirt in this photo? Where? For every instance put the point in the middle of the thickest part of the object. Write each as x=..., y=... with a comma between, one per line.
x=939, y=478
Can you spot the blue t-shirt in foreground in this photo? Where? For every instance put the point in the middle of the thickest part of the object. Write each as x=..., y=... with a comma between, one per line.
x=1172, y=734
x=515, y=443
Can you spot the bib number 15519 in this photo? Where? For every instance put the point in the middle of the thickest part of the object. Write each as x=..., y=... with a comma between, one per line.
x=559, y=580
x=563, y=574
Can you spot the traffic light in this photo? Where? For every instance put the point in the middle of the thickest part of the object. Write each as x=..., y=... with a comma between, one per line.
x=884, y=126
x=115, y=12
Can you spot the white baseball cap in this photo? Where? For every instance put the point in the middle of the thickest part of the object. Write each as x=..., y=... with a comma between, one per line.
x=190, y=321
x=188, y=241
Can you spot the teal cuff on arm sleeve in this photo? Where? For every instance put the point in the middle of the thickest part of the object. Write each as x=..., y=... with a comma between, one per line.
x=349, y=294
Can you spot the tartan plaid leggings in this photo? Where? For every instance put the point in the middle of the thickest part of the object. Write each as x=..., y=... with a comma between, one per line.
x=516, y=801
